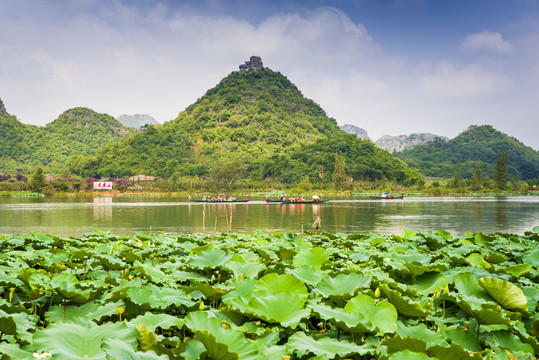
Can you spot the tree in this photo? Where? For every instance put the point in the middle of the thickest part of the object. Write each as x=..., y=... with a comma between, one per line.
x=37, y=181
x=226, y=174
x=500, y=171
x=477, y=178
x=339, y=177
x=457, y=177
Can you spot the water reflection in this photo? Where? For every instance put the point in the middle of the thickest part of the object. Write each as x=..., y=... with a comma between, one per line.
x=176, y=215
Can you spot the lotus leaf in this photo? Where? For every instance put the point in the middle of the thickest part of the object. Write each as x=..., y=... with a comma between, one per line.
x=314, y=257
x=307, y=274
x=403, y=304
x=221, y=344
x=469, y=288
x=7, y=326
x=82, y=315
x=429, y=337
x=300, y=344
x=285, y=308
x=275, y=283
x=210, y=258
x=152, y=273
x=342, y=319
x=381, y=316
x=506, y=340
x=9, y=281
x=155, y=297
x=66, y=286
x=343, y=284
x=72, y=341
x=462, y=337
x=239, y=298
x=518, y=270
x=397, y=343
x=14, y=351
x=247, y=269
x=452, y=352
x=117, y=349
x=429, y=282
x=505, y=293
x=409, y=355
x=532, y=258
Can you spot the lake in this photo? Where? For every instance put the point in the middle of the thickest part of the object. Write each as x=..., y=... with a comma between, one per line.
x=126, y=215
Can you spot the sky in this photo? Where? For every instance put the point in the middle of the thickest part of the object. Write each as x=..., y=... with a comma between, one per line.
x=391, y=67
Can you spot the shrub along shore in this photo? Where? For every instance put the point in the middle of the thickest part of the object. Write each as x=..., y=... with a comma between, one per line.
x=417, y=295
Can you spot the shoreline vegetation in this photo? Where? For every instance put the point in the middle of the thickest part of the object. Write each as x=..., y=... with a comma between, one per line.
x=415, y=295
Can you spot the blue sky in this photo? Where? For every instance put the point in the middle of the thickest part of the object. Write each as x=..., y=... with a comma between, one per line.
x=389, y=66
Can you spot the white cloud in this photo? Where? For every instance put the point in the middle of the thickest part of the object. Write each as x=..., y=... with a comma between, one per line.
x=471, y=81
x=486, y=41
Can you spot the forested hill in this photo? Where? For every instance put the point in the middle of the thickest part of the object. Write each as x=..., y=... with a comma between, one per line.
x=253, y=117
x=478, y=144
x=78, y=131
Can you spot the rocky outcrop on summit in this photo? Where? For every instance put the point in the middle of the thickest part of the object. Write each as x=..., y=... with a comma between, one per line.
x=403, y=142
x=254, y=63
x=352, y=129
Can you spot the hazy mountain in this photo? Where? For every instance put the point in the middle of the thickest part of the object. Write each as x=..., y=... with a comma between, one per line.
x=403, y=142
x=478, y=144
x=137, y=120
x=352, y=129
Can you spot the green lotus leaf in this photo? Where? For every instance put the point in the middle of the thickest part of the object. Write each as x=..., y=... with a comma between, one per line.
x=66, y=286
x=343, y=284
x=14, y=352
x=462, y=337
x=9, y=281
x=409, y=355
x=247, y=269
x=342, y=319
x=507, y=340
x=276, y=283
x=468, y=287
x=505, y=293
x=518, y=270
x=397, y=343
x=382, y=315
x=490, y=314
x=314, y=257
x=239, y=297
x=495, y=257
x=155, y=297
x=24, y=322
x=118, y=349
x=429, y=337
x=7, y=325
x=408, y=235
x=536, y=229
x=43, y=239
x=82, y=315
x=532, y=258
x=451, y=352
x=210, y=258
x=307, y=274
x=300, y=344
x=284, y=308
x=152, y=273
x=152, y=321
x=72, y=341
x=404, y=305
x=532, y=295
x=110, y=262
x=429, y=282
x=220, y=344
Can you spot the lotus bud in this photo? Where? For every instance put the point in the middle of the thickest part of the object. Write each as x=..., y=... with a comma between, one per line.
x=436, y=294
x=201, y=307
x=377, y=293
x=446, y=289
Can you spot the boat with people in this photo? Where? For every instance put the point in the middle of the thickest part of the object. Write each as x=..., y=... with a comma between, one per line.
x=293, y=200
x=221, y=199
x=388, y=196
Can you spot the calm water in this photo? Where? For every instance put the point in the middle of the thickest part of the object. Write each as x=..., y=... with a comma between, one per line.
x=72, y=216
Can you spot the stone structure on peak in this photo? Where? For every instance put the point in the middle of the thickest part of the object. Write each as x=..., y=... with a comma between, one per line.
x=254, y=63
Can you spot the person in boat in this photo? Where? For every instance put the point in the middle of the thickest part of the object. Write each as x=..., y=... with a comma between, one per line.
x=316, y=198
x=247, y=198
x=282, y=197
x=302, y=198
x=291, y=199
x=268, y=198
x=204, y=198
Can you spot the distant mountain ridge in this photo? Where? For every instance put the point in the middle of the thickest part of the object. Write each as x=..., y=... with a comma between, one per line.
x=403, y=142
x=137, y=120
x=476, y=145
x=78, y=131
x=352, y=129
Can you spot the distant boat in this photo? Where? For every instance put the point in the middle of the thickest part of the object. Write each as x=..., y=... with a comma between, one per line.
x=219, y=201
x=302, y=201
x=387, y=197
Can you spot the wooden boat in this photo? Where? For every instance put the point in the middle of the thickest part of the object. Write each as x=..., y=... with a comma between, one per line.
x=304, y=201
x=387, y=197
x=273, y=201
x=220, y=202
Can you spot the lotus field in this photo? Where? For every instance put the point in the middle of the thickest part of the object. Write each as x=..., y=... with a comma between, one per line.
x=270, y=296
